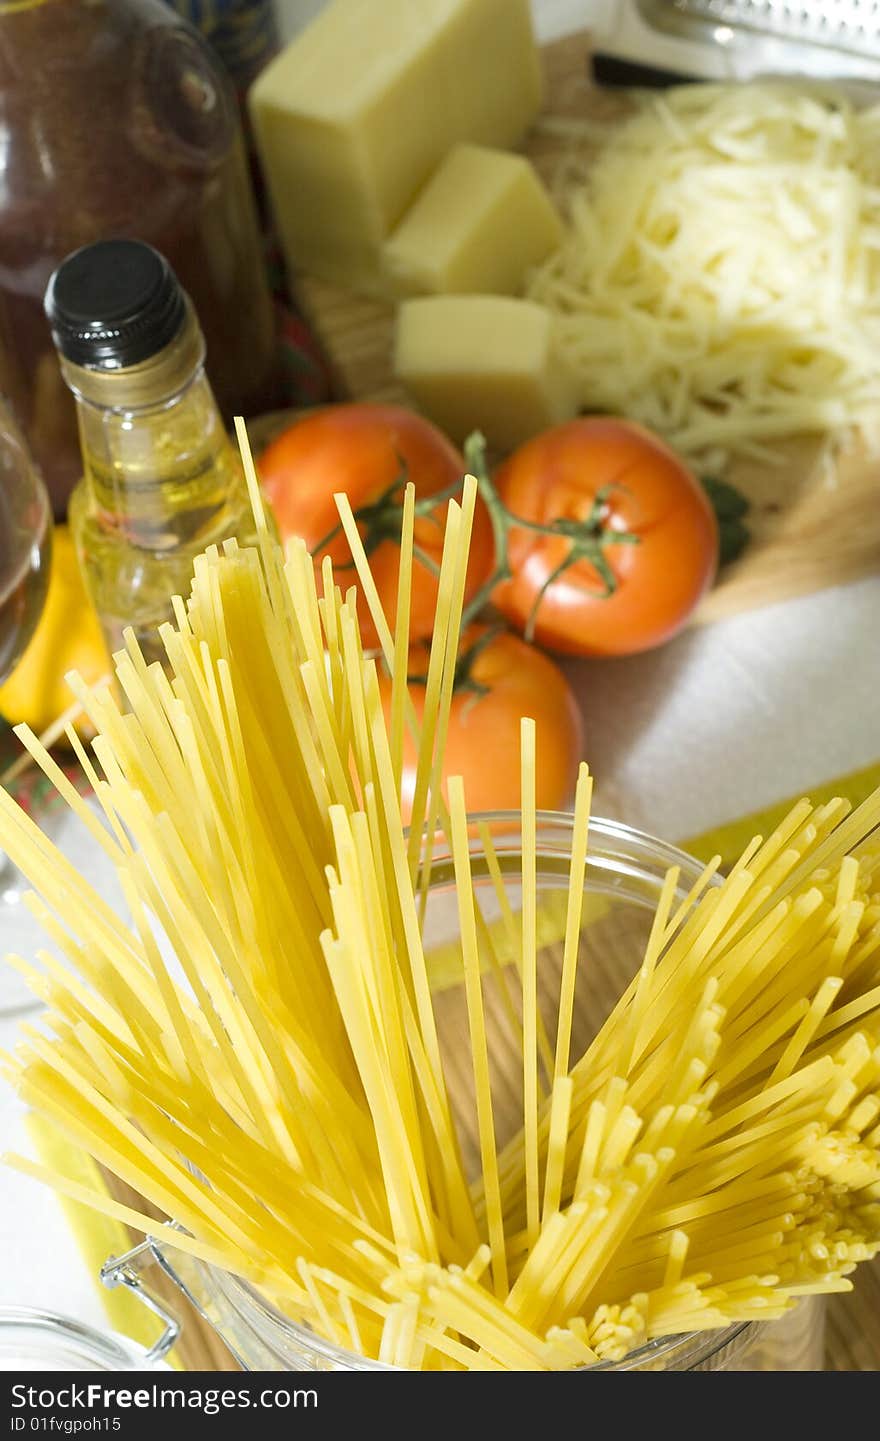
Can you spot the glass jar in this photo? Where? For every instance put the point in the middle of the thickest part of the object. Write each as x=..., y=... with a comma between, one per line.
x=25, y=543
x=625, y=873
x=33, y=1340
x=116, y=120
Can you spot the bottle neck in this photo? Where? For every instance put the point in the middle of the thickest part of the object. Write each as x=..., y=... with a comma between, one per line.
x=156, y=381
x=154, y=446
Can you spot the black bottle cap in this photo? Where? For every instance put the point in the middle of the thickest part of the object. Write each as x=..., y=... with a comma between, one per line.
x=113, y=304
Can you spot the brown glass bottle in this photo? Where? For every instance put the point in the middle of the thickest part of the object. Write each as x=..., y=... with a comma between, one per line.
x=116, y=120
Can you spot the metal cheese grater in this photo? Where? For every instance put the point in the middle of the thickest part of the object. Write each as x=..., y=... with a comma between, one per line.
x=738, y=39
x=847, y=25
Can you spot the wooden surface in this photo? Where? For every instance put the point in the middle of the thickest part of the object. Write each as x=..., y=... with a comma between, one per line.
x=810, y=530
x=852, y=1331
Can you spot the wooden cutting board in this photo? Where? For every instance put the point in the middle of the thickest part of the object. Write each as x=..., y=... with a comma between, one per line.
x=810, y=528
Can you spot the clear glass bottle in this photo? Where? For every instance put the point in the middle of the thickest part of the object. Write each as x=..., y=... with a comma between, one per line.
x=161, y=478
x=25, y=542
x=34, y=1340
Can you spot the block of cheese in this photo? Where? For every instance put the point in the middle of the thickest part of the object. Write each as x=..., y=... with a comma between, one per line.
x=483, y=362
x=477, y=226
x=358, y=111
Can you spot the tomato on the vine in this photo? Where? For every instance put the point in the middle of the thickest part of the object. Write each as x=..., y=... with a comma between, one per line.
x=368, y=451
x=504, y=680
x=624, y=540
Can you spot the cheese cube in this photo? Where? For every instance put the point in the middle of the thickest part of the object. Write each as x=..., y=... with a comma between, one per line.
x=358, y=111
x=481, y=221
x=483, y=362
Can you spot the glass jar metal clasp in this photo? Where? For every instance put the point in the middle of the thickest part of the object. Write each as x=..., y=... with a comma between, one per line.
x=128, y=1271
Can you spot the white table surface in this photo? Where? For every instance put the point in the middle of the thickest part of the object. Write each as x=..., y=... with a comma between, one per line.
x=725, y=720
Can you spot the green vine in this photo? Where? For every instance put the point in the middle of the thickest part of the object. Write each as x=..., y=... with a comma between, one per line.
x=731, y=508
x=379, y=521
x=588, y=537
x=464, y=678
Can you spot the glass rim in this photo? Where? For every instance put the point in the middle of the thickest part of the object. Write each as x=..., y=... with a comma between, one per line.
x=56, y=1337
x=695, y=1345
x=604, y=826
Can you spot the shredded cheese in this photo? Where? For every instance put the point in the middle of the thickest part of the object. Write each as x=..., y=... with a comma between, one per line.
x=720, y=280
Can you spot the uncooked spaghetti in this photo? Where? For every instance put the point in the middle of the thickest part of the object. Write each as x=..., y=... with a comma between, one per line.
x=280, y=1094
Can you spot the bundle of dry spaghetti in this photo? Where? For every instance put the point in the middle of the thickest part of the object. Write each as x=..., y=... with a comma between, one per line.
x=282, y=1092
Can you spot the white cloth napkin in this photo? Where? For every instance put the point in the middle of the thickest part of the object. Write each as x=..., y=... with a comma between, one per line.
x=730, y=718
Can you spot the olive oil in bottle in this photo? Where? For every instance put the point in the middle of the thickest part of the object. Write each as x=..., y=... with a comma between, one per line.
x=161, y=478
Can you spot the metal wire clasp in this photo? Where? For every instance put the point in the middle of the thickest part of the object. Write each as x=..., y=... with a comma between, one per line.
x=126, y=1271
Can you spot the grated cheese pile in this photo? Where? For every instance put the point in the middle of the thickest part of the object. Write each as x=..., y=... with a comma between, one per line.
x=720, y=280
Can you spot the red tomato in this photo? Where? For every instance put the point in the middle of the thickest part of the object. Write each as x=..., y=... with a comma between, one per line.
x=483, y=742
x=363, y=450
x=650, y=496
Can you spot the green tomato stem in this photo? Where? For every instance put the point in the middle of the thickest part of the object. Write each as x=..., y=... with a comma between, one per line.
x=380, y=521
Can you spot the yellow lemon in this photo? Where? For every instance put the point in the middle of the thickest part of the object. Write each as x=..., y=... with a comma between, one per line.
x=68, y=637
